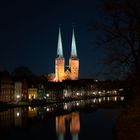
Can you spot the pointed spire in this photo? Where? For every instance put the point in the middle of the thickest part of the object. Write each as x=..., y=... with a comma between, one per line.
x=59, y=46
x=73, y=45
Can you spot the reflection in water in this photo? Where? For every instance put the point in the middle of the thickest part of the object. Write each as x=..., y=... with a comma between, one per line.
x=32, y=112
x=18, y=117
x=74, y=121
x=21, y=117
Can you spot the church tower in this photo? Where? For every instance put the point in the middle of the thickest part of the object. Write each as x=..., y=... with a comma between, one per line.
x=59, y=60
x=74, y=61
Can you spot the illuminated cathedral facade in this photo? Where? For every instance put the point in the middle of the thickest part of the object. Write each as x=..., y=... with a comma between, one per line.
x=72, y=71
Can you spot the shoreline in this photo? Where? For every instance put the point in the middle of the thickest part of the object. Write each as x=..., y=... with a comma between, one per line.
x=44, y=102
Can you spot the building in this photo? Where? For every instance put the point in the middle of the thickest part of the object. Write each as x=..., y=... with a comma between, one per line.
x=24, y=90
x=32, y=93
x=41, y=92
x=74, y=61
x=72, y=71
x=7, y=88
x=18, y=91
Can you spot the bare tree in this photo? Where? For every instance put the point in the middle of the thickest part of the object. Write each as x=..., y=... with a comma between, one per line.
x=119, y=32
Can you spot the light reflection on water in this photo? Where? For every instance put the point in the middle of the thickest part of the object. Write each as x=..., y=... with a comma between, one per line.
x=64, y=119
x=74, y=125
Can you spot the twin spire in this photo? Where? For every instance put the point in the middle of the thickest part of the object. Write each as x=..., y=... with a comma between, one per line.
x=60, y=48
x=73, y=45
x=59, y=45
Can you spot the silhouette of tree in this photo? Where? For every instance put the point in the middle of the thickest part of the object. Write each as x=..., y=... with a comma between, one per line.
x=119, y=33
x=22, y=72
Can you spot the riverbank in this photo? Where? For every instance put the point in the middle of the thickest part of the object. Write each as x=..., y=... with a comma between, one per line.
x=44, y=102
x=128, y=125
x=39, y=102
x=31, y=103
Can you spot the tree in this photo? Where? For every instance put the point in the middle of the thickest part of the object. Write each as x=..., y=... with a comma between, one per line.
x=120, y=33
x=22, y=72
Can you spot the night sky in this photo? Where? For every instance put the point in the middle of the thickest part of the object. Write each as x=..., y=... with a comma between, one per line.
x=29, y=34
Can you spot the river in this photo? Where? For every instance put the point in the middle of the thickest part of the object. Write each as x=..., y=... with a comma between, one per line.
x=92, y=119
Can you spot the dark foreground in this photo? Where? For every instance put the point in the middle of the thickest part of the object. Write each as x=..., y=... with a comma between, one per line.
x=128, y=125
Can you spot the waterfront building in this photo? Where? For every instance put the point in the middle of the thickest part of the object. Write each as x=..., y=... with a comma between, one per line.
x=7, y=88
x=24, y=90
x=18, y=91
x=32, y=93
x=74, y=61
x=41, y=92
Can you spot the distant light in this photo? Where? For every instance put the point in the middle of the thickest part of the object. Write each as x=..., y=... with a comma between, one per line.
x=65, y=94
x=96, y=80
x=115, y=98
x=122, y=98
x=77, y=93
x=18, y=114
x=115, y=91
x=48, y=95
x=121, y=89
x=18, y=96
x=77, y=104
x=48, y=109
x=65, y=106
x=100, y=100
x=108, y=98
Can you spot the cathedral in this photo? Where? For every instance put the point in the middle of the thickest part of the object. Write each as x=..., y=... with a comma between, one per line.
x=72, y=71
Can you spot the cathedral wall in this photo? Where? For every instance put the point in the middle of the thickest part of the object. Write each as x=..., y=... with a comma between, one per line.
x=74, y=66
x=59, y=69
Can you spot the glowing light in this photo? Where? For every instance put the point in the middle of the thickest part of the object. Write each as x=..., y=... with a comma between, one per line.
x=115, y=91
x=48, y=109
x=18, y=96
x=94, y=100
x=100, y=100
x=65, y=106
x=77, y=93
x=17, y=114
x=115, y=98
x=94, y=93
x=121, y=89
x=77, y=104
x=47, y=95
x=108, y=98
x=122, y=98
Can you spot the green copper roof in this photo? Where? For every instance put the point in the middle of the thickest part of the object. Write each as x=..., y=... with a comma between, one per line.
x=59, y=45
x=73, y=46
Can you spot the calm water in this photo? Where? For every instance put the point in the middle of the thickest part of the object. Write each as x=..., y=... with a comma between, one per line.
x=92, y=119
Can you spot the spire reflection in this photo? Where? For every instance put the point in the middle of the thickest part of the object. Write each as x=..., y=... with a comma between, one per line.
x=74, y=125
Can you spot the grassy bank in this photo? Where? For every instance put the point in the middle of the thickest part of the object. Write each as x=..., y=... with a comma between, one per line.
x=128, y=125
